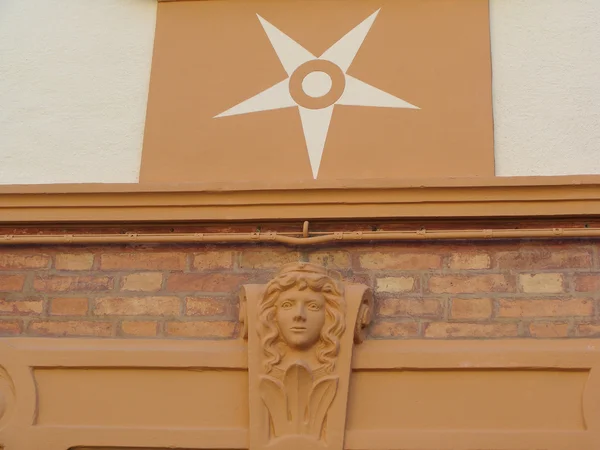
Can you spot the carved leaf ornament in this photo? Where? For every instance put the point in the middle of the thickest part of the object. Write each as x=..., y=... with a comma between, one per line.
x=305, y=401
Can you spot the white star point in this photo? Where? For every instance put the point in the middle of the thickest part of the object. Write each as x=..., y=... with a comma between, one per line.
x=291, y=54
x=359, y=93
x=343, y=51
x=315, y=123
x=276, y=97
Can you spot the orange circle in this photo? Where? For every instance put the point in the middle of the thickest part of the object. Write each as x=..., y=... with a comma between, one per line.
x=338, y=84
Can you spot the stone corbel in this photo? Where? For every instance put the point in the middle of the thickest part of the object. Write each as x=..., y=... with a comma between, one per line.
x=301, y=328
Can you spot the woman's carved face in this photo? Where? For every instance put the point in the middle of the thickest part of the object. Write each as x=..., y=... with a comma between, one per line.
x=300, y=317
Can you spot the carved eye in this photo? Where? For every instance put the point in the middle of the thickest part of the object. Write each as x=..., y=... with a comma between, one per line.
x=314, y=306
x=287, y=304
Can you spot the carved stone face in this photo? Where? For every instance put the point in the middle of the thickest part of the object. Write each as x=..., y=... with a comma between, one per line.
x=300, y=317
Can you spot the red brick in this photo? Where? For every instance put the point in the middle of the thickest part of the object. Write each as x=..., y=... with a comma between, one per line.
x=70, y=328
x=69, y=306
x=139, y=328
x=471, y=330
x=588, y=330
x=589, y=282
x=360, y=278
x=469, y=261
x=137, y=306
x=267, y=259
x=467, y=284
x=471, y=308
x=140, y=260
x=400, y=261
x=74, y=261
x=50, y=283
x=411, y=307
x=549, y=329
x=386, y=329
x=396, y=284
x=213, y=260
x=530, y=258
x=10, y=327
x=10, y=261
x=545, y=315
x=331, y=259
x=144, y=281
x=11, y=283
x=210, y=282
x=21, y=307
x=541, y=283
x=545, y=307
x=200, y=306
x=201, y=329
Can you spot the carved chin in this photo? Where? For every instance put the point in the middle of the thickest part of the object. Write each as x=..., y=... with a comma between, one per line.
x=300, y=341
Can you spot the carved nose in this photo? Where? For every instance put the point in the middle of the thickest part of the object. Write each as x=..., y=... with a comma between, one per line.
x=300, y=315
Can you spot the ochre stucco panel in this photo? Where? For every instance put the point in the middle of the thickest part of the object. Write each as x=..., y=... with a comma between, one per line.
x=403, y=394
x=211, y=56
x=156, y=397
x=477, y=399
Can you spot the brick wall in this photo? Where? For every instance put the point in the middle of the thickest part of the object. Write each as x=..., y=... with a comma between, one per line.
x=543, y=289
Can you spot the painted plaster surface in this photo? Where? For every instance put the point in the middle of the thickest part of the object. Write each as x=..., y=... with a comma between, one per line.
x=546, y=67
x=373, y=105
x=316, y=118
x=74, y=80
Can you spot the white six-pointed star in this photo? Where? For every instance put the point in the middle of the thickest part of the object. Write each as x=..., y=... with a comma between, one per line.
x=318, y=84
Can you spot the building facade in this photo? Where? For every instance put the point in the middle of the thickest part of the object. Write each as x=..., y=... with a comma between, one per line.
x=350, y=225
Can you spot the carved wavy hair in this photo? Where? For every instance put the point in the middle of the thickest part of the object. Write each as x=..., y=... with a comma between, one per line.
x=328, y=346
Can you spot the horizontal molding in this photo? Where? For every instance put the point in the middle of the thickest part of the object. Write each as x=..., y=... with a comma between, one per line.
x=209, y=354
x=372, y=354
x=449, y=198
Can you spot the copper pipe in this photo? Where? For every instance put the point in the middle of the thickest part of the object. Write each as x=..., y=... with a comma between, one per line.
x=285, y=238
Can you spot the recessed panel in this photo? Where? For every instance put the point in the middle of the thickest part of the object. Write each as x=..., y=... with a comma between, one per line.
x=467, y=399
x=143, y=398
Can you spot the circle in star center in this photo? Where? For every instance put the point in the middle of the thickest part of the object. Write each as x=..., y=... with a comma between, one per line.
x=317, y=84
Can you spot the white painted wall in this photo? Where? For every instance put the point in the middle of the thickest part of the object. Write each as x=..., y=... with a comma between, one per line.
x=546, y=86
x=74, y=80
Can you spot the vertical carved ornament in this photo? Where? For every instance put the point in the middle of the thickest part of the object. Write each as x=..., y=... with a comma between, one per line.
x=301, y=328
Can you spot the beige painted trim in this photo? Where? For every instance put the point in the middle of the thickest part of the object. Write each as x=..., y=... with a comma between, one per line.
x=449, y=198
x=37, y=416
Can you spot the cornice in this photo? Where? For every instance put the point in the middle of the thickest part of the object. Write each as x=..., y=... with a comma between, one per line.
x=371, y=199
